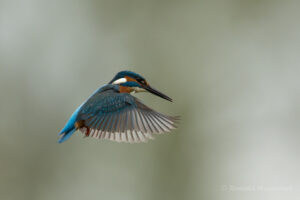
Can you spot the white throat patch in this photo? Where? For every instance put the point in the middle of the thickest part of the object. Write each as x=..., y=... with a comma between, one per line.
x=137, y=90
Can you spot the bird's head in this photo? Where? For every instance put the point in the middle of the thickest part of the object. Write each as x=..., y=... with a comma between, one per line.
x=133, y=82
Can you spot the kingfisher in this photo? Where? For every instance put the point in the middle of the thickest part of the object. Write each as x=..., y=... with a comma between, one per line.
x=112, y=113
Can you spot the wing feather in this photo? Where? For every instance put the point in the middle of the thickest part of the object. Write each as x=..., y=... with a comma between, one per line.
x=123, y=118
x=157, y=124
x=162, y=124
x=144, y=121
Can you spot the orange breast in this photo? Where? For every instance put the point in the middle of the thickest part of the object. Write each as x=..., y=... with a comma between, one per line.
x=124, y=89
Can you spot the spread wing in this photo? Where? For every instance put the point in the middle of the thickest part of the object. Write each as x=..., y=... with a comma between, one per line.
x=122, y=117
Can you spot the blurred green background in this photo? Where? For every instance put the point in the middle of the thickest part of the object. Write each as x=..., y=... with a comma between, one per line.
x=232, y=68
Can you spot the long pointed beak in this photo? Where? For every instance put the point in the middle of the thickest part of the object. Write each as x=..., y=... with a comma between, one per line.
x=156, y=92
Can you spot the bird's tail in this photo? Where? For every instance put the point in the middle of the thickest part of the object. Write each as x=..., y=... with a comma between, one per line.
x=69, y=128
x=66, y=135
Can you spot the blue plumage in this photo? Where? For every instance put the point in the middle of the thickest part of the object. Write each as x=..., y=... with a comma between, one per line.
x=69, y=128
x=112, y=113
x=131, y=84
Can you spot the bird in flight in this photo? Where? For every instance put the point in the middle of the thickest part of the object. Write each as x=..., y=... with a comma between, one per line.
x=112, y=113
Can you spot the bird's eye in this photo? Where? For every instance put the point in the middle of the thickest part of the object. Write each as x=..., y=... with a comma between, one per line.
x=141, y=81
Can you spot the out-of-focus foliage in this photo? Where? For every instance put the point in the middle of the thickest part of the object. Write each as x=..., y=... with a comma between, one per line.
x=232, y=68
